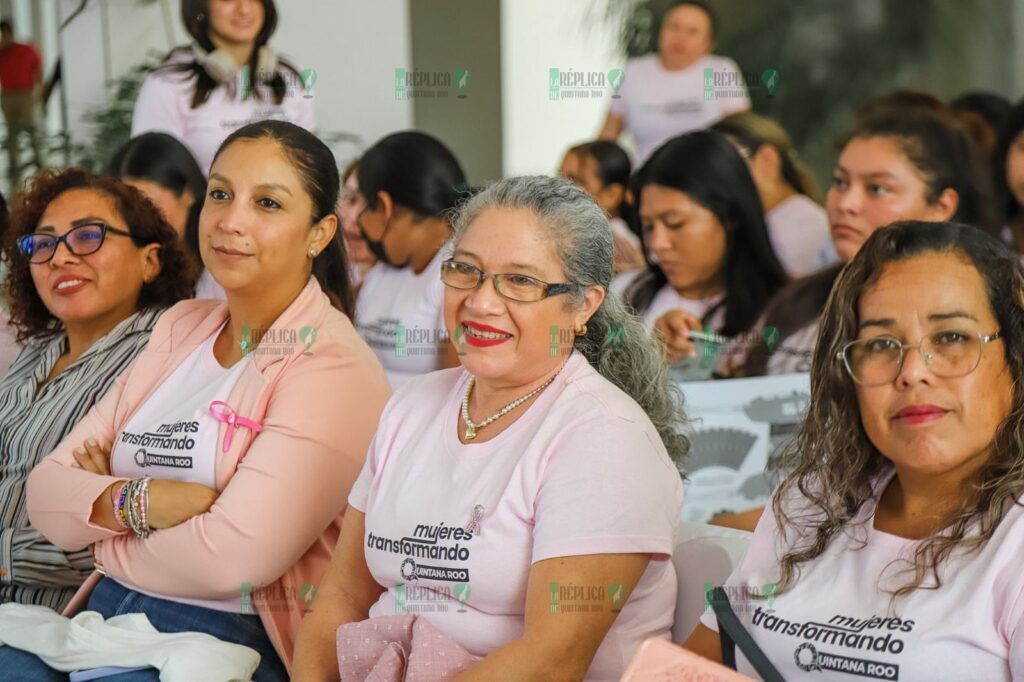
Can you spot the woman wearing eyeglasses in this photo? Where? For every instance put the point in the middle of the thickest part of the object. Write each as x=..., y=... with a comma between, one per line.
x=214, y=489
x=543, y=462
x=895, y=543
x=93, y=264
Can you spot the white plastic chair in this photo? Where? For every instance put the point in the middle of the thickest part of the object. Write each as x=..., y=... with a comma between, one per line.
x=703, y=554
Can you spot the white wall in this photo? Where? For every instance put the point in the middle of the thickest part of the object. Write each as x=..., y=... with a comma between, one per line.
x=353, y=45
x=537, y=35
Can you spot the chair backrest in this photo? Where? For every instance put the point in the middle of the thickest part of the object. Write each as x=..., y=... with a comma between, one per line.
x=703, y=554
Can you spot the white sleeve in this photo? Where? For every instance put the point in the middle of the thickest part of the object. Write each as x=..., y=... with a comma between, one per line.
x=159, y=107
x=730, y=105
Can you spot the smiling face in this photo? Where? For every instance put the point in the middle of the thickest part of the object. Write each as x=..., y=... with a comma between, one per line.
x=256, y=226
x=921, y=422
x=687, y=240
x=875, y=184
x=100, y=289
x=510, y=342
x=685, y=36
x=236, y=21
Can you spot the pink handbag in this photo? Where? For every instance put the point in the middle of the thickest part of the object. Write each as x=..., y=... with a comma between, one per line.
x=397, y=648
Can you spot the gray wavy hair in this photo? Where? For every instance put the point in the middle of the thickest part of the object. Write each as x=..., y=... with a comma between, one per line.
x=617, y=343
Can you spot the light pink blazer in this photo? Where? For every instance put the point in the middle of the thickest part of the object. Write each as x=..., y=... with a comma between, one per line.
x=282, y=491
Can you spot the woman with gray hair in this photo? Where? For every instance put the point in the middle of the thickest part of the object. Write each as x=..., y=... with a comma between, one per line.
x=527, y=498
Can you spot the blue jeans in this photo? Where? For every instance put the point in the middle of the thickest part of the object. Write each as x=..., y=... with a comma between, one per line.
x=110, y=598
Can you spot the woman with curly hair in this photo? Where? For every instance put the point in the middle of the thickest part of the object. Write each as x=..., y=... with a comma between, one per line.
x=896, y=540
x=92, y=265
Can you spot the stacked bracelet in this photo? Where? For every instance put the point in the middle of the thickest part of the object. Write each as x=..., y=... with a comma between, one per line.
x=118, y=498
x=132, y=506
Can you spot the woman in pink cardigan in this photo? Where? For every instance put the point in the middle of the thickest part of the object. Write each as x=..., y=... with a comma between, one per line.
x=212, y=478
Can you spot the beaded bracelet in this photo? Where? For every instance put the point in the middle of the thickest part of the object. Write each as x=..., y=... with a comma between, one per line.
x=118, y=501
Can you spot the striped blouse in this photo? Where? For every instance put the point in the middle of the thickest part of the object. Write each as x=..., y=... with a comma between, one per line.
x=33, y=571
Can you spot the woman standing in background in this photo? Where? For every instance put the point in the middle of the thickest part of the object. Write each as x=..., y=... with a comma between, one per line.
x=227, y=77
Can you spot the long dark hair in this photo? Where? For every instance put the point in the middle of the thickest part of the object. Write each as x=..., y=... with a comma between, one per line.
x=174, y=283
x=707, y=167
x=417, y=170
x=195, y=17
x=943, y=156
x=160, y=158
x=315, y=164
x=832, y=464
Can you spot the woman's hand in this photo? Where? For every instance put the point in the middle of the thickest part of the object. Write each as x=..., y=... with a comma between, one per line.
x=174, y=502
x=674, y=327
x=93, y=457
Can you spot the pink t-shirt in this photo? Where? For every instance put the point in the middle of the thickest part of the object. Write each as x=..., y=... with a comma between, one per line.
x=582, y=471
x=164, y=105
x=836, y=621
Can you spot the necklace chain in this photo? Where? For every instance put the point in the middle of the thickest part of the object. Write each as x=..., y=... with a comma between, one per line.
x=471, y=428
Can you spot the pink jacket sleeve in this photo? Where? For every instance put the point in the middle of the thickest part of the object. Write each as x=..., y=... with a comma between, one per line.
x=60, y=495
x=291, y=484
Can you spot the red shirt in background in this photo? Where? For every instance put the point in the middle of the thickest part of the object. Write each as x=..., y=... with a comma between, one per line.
x=19, y=64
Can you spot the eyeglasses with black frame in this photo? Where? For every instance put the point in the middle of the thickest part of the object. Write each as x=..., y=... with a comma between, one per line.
x=522, y=288
x=949, y=353
x=81, y=240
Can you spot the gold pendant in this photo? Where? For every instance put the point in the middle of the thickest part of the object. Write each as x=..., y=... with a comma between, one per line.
x=470, y=433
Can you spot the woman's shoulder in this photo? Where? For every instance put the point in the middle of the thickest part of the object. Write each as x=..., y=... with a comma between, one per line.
x=799, y=206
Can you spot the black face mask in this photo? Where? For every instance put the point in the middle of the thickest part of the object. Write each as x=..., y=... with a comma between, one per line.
x=377, y=247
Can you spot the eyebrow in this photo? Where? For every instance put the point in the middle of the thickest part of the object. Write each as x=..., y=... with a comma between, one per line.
x=880, y=175
x=265, y=186
x=514, y=268
x=74, y=223
x=888, y=322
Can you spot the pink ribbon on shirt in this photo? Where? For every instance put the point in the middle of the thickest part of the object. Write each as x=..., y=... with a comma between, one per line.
x=223, y=413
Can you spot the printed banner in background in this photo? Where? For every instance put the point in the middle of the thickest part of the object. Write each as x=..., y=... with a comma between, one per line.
x=737, y=426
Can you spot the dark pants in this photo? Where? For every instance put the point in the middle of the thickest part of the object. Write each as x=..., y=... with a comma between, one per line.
x=110, y=598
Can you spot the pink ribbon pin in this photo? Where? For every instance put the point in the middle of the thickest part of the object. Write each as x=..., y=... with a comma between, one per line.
x=223, y=413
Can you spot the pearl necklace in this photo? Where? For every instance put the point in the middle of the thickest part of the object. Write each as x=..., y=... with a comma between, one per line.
x=471, y=428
